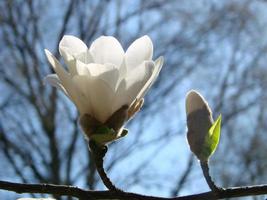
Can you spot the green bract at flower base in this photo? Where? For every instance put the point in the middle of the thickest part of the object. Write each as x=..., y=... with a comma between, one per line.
x=104, y=135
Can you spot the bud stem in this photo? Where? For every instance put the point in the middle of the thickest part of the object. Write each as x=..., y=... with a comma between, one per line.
x=205, y=169
x=99, y=153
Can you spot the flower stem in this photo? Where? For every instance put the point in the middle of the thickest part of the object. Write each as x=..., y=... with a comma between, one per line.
x=205, y=169
x=99, y=153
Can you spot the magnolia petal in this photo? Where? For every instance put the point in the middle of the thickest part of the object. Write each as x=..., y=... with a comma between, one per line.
x=85, y=57
x=139, y=51
x=71, y=48
x=158, y=65
x=66, y=81
x=132, y=84
x=120, y=97
x=53, y=80
x=101, y=98
x=82, y=68
x=70, y=61
x=122, y=70
x=62, y=74
x=138, y=77
x=109, y=73
x=107, y=49
x=71, y=45
x=80, y=52
x=83, y=84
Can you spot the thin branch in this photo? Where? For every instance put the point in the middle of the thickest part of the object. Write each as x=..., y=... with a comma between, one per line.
x=89, y=194
x=98, y=153
x=205, y=169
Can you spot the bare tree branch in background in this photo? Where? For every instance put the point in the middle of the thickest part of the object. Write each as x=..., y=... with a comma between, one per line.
x=216, y=47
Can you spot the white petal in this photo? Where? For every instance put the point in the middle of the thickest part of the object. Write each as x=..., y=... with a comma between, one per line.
x=108, y=73
x=83, y=84
x=152, y=79
x=71, y=48
x=66, y=81
x=82, y=68
x=101, y=98
x=138, y=77
x=62, y=74
x=107, y=49
x=132, y=84
x=123, y=70
x=71, y=63
x=121, y=97
x=85, y=57
x=139, y=51
x=71, y=45
x=53, y=80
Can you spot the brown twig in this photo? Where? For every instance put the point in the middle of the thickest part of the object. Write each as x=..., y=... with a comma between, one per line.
x=99, y=153
x=205, y=169
x=88, y=194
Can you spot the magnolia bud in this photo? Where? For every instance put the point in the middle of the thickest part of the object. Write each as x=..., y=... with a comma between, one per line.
x=199, y=122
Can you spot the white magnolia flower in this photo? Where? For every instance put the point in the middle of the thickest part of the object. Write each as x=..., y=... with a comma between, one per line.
x=103, y=78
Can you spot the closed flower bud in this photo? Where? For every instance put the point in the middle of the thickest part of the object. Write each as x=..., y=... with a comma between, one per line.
x=199, y=122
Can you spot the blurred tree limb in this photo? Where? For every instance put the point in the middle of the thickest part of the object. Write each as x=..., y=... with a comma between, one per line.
x=85, y=194
x=232, y=27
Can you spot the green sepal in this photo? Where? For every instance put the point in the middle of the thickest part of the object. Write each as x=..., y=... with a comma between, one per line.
x=211, y=140
x=103, y=135
x=103, y=130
